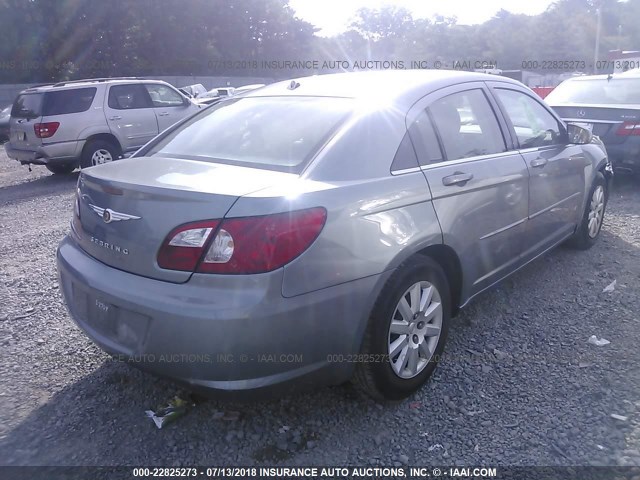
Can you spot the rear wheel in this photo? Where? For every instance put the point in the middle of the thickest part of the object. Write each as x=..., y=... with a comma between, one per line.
x=61, y=169
x=98, y=152
x=406, y=332
x=593, y=216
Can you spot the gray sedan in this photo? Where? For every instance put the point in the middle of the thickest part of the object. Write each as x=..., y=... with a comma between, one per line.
x=325, y=229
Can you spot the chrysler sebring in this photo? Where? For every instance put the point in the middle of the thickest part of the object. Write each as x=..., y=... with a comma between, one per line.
x=324, y=229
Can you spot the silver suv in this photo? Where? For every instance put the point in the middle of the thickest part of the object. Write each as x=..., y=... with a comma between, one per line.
x=90, y=122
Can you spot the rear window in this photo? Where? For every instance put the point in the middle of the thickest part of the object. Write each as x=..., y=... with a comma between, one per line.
x=620, y=91
x=27, y=106
x=279, y=133
x=68, y=101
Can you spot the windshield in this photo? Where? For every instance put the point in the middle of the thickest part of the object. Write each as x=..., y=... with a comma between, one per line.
x=27, y=106
x=280, y=133
x=600, y=91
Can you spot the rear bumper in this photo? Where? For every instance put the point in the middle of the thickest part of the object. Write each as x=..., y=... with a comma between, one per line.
x=237, y=336
x=48, y=154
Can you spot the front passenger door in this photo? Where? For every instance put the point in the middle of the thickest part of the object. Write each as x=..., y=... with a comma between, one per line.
x=556, y=169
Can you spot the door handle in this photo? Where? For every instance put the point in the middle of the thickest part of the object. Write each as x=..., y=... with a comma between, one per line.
x=115, y=117
x=538, y=162
x=163, y=114
x=458, y=178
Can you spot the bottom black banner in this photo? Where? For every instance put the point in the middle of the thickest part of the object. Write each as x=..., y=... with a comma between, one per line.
x=320, y=473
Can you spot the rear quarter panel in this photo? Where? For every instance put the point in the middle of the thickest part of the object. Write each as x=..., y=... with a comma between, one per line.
x=375, y=220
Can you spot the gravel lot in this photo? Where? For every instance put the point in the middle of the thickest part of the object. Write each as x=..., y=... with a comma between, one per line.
x=519, y=385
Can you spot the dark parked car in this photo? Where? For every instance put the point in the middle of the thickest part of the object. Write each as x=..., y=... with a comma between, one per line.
x=5, y=116
x=325, y=228
x=609, y=106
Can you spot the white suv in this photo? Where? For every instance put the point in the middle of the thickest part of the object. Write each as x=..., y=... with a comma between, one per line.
x=89, y=122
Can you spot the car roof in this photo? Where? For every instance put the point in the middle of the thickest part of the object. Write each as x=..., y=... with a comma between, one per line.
x=72, y=84
x=611, y=76
x=397, y=86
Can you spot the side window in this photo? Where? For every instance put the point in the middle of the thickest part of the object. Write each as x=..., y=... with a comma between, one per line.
x=127, y=97
x=405, y=156
x=68, y=101
x=467, y=125
x=425, y=140
x=163, y=96
x=533, y=124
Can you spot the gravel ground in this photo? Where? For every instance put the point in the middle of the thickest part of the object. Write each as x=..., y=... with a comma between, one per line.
x=519, y=384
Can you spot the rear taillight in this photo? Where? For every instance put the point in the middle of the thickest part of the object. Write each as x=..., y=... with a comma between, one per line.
x=628, y=129
x=242, y=245
x=183, y=247
x=45, y=130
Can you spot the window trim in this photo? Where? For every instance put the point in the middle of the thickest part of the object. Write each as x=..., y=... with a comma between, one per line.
x=494, y=86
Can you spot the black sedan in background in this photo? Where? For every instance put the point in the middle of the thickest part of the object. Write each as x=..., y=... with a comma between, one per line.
x=609, y=106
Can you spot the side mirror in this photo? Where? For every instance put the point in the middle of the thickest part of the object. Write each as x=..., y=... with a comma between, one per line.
x=578, y=135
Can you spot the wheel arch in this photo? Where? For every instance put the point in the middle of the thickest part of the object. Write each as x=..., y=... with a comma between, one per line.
x=448, y=259
x=106, y=137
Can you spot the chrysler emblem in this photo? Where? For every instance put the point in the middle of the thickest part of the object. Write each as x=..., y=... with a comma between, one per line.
x=581, y=113
x=109, y=215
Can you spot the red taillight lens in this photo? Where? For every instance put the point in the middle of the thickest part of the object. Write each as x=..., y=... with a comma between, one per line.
x=243, y=245
x=184, y=246
x=628, y=129
x=262, y=244
x=45, y=130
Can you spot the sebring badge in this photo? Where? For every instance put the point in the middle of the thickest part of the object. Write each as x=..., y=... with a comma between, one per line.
x=109, y=215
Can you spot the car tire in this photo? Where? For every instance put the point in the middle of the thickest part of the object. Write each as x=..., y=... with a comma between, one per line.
x=588, y=231
x=98, y=152
x=61, y=169
x=382, y=373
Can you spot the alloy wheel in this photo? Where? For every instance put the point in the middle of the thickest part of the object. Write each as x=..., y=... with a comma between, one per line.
x=415, y=329
x=101, y=156
x=596, y=211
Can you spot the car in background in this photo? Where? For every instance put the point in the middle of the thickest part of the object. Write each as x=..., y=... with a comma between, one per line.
x=609, y=106
x=90, y=122
x=325, y=228
x=193, y=91
x=218, y=92
x=247, y=88
x=5, y=115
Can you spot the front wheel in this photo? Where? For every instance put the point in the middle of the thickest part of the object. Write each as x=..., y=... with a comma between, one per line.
x=593, y=216
x=406, y=332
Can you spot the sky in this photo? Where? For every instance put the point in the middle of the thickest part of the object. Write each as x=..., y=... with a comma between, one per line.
x=333, y=16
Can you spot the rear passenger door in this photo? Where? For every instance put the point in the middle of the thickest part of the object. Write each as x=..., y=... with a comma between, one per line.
x=556, y=168
x=168, y=105
x=478, y=183
x=130, y=115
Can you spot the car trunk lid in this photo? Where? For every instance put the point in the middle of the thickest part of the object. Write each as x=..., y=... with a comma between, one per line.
x=146, y=198
x=604, y=121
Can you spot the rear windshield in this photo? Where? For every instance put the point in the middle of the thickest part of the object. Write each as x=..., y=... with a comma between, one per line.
x=27, y=105
x=278, y=133
x=620, y=91
x=68, y=101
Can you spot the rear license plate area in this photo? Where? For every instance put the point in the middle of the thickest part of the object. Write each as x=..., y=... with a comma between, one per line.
x=124, y=327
